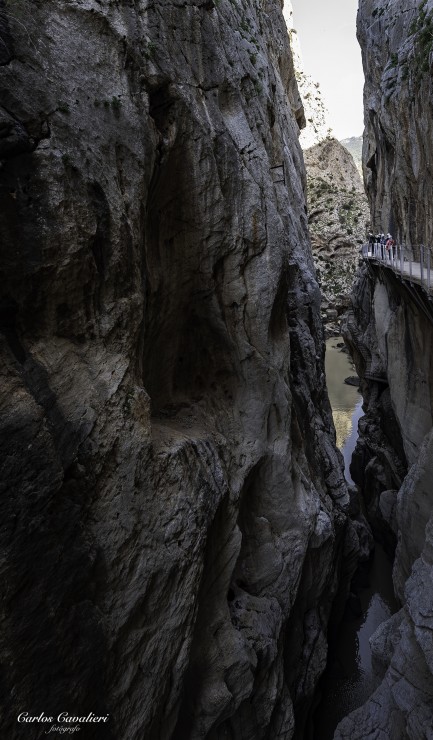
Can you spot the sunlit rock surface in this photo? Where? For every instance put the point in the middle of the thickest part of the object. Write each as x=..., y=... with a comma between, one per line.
x=316, y=116
x=338, y=212
x=338, y=218
x=171, y=492
x=354, y=146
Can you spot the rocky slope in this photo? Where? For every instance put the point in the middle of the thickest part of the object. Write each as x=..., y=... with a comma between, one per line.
x=172, y=499
x=338, y=216
x=316, y=126
x=354, y=146
x=391, y=333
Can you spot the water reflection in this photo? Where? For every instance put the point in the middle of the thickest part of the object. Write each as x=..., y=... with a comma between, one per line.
x=349, y=678
x=344, y=398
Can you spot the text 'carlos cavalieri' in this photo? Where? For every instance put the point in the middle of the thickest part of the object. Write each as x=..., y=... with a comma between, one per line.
x=66, y=723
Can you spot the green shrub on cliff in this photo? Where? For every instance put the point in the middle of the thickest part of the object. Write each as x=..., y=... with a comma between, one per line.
x=421, y=29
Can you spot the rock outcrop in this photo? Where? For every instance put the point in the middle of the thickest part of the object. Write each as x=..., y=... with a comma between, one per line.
x=390, y=330
x=172, y=500
x=338, y=212
x=354, y=146
x=338, y=216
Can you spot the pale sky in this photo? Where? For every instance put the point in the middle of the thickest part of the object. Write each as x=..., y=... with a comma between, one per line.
x=331, y=54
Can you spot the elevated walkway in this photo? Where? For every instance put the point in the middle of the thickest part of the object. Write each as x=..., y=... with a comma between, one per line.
x=412, y=264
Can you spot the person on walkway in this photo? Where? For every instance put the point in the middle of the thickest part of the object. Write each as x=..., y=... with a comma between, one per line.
x=371, y=242
x=377, y=244
x=389, y=245
x=382, y=241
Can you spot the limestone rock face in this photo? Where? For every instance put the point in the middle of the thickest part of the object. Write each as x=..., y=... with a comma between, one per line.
x=390, y=330
x=391, y=338
x=338, y=212
x=396, y=42
x=354, y=146
x=172, y=499
x=338, y=216
x=391, y=333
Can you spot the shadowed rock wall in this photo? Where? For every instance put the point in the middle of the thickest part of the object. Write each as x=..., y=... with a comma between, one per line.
x=171, y=493
x=391, y=333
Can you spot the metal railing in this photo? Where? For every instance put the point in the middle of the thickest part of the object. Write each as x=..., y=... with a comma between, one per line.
x=411, y=262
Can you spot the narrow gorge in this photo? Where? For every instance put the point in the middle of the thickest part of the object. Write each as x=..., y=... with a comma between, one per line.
x=178, y=536
x=390, y=331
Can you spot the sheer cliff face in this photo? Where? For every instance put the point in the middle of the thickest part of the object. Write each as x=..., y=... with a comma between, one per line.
x=391, y=332
x=392, y=338
x=396, y=42
x=169, y=472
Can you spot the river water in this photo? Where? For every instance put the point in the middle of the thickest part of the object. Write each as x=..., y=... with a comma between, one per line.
x=346, y=401
x=349, y=678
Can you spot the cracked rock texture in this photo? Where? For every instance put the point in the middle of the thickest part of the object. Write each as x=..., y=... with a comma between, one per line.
x=390, y=329
x=338, y=217
x=338, y=212
x=391, y=338
x=172, y=500
x=397, y=44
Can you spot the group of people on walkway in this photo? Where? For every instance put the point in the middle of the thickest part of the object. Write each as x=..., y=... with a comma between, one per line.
x=382, y=245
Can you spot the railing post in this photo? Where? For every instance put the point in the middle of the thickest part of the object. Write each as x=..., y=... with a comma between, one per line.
x=410, y=265
x=401, y=259
x=428, y=269
x=421, y=261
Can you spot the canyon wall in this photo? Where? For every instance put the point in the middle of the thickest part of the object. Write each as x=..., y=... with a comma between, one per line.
x=172, y=500
x=390, y=331
x=396, y=42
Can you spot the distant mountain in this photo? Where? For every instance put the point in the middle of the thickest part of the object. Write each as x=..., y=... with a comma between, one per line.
x=354, y=146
